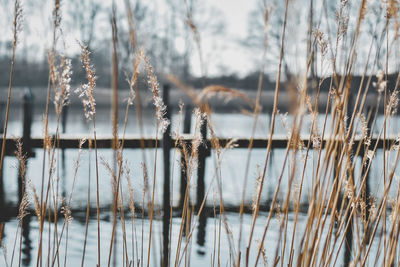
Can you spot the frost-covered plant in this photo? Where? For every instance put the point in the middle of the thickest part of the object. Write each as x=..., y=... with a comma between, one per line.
x=60, y=77
x=86, y=91
x=157, y=100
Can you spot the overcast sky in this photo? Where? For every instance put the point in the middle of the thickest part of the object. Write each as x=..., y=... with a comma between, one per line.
x=223, y=53
x=233, y=57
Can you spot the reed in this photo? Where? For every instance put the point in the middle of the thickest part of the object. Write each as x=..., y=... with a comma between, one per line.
x=16, y=30
x=321, y=209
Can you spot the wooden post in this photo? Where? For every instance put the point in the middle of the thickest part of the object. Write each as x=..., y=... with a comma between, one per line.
x=203, y=152
x=64, y=116
x=348, y=245
x=201, y=165
x=201, y=233
x=27, y=242
x=26, y=138
x=166, y=145
x=366, y=189
x=371, y=111
x=187, y=121
x=2, y=115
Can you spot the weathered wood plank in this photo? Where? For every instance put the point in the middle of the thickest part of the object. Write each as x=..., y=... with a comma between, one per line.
x=67, y=141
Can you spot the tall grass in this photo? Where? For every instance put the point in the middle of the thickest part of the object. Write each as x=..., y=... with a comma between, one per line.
x=16, y=30
x=341, y=216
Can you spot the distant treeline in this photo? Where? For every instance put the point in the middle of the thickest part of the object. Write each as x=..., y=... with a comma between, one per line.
x=355, y=82
x=36, y=74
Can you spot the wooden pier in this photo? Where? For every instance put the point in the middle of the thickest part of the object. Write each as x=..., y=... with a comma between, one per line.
x=68, y=141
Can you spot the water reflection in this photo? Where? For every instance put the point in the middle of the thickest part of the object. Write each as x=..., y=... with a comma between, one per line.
x=202, y=247
x=26, y=241
x=201, y=233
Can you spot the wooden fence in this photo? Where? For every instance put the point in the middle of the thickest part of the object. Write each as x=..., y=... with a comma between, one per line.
x=167, y=143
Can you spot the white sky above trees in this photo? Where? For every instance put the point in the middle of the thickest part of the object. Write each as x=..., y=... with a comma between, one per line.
x=223, y=50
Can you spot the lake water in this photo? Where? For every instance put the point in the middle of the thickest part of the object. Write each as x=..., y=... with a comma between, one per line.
x=201, y=249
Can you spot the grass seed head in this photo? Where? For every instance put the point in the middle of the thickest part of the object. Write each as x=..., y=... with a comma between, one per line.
x=154, y=87
x=23, y=207
x=18, y=20
x=61, y=78
x=86, y=91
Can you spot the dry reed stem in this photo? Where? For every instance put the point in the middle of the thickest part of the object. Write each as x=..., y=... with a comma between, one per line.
x=215, y=90
x=326, y=210
x=257, y=110
x=17, y=24
x=86, y=93
x=276, y=98
x=88, y=205
x=46, y=141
